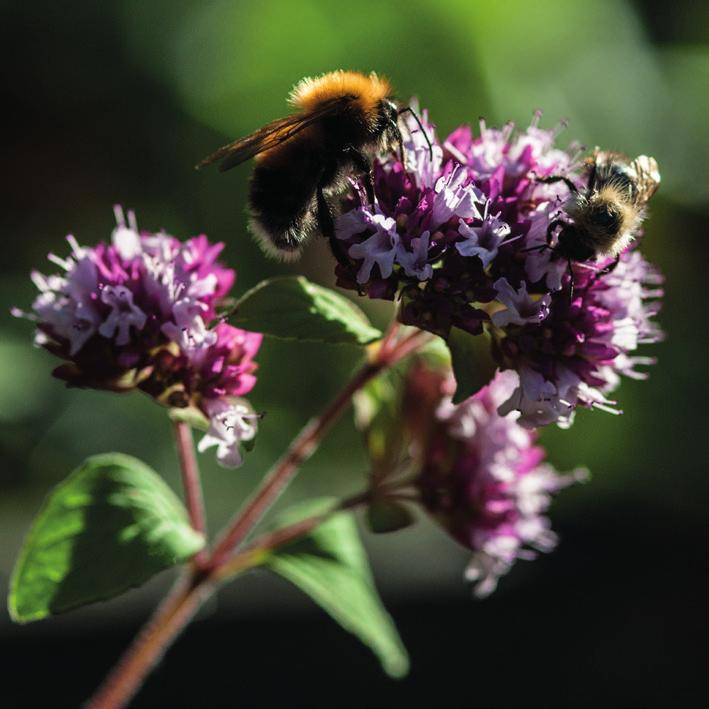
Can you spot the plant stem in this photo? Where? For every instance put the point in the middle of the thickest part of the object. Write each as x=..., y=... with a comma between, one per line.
x=191, y=592
x=304, y=445
x=148, y=647
x=256, y=552
x=191, y=481
x=184, y=601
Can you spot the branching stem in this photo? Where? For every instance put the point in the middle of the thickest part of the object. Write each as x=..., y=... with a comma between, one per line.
x=224, y=562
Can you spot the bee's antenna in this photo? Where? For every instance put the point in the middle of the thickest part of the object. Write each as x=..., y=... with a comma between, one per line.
x=408, y=109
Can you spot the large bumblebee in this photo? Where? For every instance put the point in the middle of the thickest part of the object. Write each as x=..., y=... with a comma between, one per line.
x=343, y=120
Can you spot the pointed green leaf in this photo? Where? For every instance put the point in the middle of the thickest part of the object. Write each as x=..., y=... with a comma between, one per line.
x=111, y=525
x=473, y=365
x=293, y=308
x=330, y=565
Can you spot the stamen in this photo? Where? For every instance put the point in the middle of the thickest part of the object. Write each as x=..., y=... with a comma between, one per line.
x=118, y=214
x=62, y=263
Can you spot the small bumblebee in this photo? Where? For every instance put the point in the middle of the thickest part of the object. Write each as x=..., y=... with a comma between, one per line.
x=343, y=120
x=608, y=213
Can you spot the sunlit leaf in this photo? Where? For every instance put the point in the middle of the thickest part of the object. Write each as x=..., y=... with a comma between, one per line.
x=111, y=525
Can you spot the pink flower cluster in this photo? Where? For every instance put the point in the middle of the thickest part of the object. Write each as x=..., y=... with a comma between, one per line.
x=457, y=234
x=484, y=480
x=136, y=313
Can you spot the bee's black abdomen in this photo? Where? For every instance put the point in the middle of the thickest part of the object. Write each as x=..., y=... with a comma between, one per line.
x=282, y=197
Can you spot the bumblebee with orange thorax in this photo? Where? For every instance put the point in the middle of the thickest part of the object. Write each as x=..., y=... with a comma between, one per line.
x=608, y=213
x=342, y=121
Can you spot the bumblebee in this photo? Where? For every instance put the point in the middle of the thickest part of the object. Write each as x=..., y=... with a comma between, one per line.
x=343, y=119
x=608, y=212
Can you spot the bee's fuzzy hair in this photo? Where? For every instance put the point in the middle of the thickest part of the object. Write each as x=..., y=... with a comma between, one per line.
x=265, y=239
x=369, y=90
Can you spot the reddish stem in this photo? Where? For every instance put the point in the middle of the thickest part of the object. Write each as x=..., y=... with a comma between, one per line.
x=148, y=647
x=254, y=552
x=181, y=605
x=281, y=474
x=179, y=608
x=191, y=481
x=306, y=442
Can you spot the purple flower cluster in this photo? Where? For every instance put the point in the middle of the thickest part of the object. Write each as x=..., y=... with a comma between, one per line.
x=484, y=480
x=576, y=354
x=458, y=234
x=135, y=313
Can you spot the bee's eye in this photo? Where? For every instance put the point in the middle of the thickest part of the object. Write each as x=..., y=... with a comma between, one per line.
x=605, y=218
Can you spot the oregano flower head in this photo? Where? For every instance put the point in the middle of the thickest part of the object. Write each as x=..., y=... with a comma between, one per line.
x=458, y=235
x=136, y=313
x=482, y=476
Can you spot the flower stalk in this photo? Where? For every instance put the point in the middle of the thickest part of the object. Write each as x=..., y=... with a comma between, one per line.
x=191, y=482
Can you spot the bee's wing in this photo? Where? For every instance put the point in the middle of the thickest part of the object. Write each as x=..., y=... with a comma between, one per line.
x=271, y=135
x=641, y=174
x=647, y=177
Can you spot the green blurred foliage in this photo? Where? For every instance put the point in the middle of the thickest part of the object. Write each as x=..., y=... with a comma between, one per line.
x=115, y=102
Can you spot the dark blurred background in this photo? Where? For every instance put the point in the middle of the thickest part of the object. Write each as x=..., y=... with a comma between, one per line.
x=114, y=102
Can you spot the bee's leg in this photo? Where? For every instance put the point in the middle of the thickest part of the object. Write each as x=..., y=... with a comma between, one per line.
x=538, y=247
x=326, y=225
x=550, y=235
x=572, y=281
x=364, y=166
x=606, y=270
x=552, y=179
x=592, y=176
x=326, y=221
x=550, y=229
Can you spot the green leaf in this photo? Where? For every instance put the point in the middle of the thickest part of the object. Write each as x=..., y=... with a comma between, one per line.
x=111, y=525
x=384, y=516
x=377, y=398
x=293, y=308
x=330, y=565
x=473, y=365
